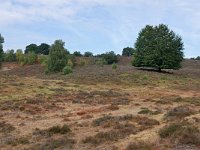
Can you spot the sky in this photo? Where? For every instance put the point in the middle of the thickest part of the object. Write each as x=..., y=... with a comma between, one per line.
x=96, y=25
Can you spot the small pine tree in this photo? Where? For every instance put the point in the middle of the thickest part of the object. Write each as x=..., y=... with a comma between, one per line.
x=57, y=57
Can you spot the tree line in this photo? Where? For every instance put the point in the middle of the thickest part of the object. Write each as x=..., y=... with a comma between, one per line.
x=156, y=47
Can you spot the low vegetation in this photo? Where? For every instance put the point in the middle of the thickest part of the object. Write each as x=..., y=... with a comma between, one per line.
x=181, y=133
x=140, y=146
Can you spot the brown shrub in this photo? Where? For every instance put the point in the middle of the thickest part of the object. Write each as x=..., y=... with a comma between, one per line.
x=140, y=146
x=178, y=113
x=6, y=127
x=181, y=133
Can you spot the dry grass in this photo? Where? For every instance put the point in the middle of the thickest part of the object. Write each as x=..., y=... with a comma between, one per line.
x=104, y=109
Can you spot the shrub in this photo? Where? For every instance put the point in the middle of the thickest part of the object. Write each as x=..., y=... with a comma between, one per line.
x=10, y=56
x=58, y=143
x=179, y=112
x=140, y=146
x=70, y=63
x=30, y=58
x=67, y=70
x=53, y=130
x=59, y=130
x=182, y=133
x=112, y=135
x=6, y=128
x=110, y=57
x=71, y=60
x=19, y=55
x=101, y=62
x=145, y=111
x=148, y=122
x=57, y=57
x=16, y=141
x=114, y=66
x=82, y=63
x=42, y=59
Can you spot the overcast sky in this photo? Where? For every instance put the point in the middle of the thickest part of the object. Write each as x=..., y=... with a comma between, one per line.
x=96, y=25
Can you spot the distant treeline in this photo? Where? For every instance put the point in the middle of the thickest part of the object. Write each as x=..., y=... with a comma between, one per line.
x=156, y=47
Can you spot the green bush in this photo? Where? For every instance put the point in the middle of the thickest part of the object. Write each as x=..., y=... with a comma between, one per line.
x=71, y=60
x=82, y=63
x=70, y=63
x=42, y=59
x=10, y=56
x=19, y=55
x=109, y=57
x=30, y=58
x=57, y=57
x=101, y=62
x=114, y=66
x=67, y=70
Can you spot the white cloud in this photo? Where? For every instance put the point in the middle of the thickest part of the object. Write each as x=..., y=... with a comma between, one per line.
x=120, y=22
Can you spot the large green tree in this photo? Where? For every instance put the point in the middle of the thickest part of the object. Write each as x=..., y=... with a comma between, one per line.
x=31, y=48
x=128, y=51
x=57, y=57
x=158, y=47
x=1, y=49
x=77, y=53
x=43, y=49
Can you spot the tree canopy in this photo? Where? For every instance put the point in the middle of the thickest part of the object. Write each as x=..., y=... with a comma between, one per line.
x=31, y=48
x=77, y=53
x=88, y=54
x=128, y=51
x=43, y=49
x=158, y=47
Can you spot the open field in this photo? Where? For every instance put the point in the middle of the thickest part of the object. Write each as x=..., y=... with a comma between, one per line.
x=100, y=108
